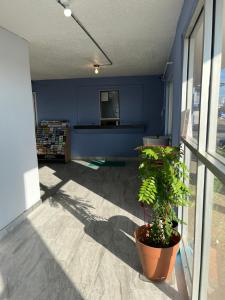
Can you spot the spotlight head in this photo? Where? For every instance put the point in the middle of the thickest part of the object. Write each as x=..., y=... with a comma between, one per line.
x=67, y=12
x=96, y=69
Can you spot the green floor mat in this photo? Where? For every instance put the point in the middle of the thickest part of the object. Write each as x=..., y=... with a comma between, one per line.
x=106, y=163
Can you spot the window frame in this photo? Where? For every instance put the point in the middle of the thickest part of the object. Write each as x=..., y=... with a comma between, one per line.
x=215, y=80
x=190, y=69
x=34, y=98
x=169, y=107
x=203, y=10
x=100, y=103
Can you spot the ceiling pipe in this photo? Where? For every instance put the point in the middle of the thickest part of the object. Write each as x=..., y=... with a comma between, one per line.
x=165, y=69
x=89, y=35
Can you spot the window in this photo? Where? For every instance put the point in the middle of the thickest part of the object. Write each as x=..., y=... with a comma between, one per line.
x=216, y=282
x=195, y=76
x=189, y=212
x=169, y=107
x=203, y=96
x=109, y=104
x=35, y=109
x=221, y=100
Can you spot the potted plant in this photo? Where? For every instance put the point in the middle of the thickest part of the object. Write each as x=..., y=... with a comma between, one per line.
x=162, y=188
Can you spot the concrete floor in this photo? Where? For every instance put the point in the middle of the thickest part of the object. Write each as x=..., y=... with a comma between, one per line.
x=79, y=243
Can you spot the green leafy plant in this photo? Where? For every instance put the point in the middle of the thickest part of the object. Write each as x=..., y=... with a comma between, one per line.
x=163, y=187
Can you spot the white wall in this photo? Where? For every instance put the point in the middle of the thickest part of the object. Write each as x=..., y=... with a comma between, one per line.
x=19, y=181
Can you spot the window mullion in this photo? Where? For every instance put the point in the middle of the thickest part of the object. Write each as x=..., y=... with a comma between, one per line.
x=203, y=118
x=215, y=77
x=198, y=230
x=206, y=235
x=206, y=69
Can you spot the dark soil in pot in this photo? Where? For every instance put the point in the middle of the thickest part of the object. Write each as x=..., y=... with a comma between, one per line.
x=174, y=240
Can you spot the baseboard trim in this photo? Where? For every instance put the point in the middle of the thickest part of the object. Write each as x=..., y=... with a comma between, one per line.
x=105, y=158
x=18, y=220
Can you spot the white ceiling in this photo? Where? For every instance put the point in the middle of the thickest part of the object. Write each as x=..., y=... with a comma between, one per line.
x=137, y=35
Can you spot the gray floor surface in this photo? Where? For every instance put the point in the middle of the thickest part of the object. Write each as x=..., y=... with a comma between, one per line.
x=79, y=243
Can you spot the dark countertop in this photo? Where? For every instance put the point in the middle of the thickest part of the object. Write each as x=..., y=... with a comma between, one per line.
x=128, y=126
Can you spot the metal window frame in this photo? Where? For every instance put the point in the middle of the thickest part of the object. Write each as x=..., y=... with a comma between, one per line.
x=187, y=161
x=100, y=104
x=169, y=107
x=210, y=80
x=215, y=76
x=191, y=54
x=204, y=179
x=34, y=96
x=183, y=107
x=192, y=278
x=206, y=73
x=211, y=163
x=206, y=235
x=186, y=96
x=216, y=166
x=202, y=140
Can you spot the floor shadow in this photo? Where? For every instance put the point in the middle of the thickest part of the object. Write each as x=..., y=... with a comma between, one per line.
x=176, y=278
x=29, y=270
x=115, y=234
x=166, y=288
x=180, y=279
x=118, y=185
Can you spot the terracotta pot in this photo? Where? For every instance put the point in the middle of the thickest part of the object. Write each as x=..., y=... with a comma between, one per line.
x=157, y=263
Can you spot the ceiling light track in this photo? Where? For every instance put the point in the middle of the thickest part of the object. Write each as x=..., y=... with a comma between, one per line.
x=90, y=36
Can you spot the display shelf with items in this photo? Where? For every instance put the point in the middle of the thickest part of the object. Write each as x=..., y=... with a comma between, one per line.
x=53, y=141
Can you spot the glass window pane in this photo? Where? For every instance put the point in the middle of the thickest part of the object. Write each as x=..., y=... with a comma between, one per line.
x=195, y=77
x=216, y=285
x=221, y=104
x=109, y=104
x=169, y=107
x=189, y=212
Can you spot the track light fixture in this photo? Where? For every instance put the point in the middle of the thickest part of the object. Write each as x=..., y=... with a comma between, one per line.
x=68, y=13
x=66, y=5
x=96, y=69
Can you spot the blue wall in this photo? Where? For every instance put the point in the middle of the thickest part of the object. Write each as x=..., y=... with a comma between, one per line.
x=77, y=100
x=175, y=71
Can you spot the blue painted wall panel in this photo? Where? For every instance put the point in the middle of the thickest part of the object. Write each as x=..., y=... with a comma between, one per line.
x=175, y=70
x=88, y=112
x=102, y=145
x=141, y=101
x=131, y=104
